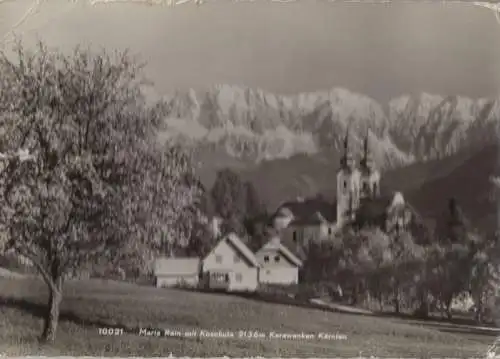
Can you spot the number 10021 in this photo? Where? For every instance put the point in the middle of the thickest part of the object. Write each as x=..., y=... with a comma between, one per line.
x=110, y=331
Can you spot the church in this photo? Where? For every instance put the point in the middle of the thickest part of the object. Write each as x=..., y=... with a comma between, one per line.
x=359, y=203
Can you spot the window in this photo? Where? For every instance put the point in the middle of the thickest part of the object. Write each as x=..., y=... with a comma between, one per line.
x=218, y=258
x=365, y=186
x=219, y=277
x=330, y=231
x=226, y=278
x=266, y=259
x=239, y=277
x=237, y=259
x=345, y=184
x=277, y=259
x=295, y=236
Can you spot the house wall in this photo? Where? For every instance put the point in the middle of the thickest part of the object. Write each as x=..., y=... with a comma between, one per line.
x=163, y=281
x=226, y=259
x=277, y=275
x=244, y=280
x=273, y=271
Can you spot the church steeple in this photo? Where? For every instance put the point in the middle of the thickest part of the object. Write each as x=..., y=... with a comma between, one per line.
x=370, y=177
x=367, y=160
x=346, y=159
x=347, y=185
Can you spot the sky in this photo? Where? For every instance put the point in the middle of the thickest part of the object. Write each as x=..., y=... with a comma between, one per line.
x=381, y=50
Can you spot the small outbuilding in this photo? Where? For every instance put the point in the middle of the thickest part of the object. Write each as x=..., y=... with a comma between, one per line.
x=171, y=272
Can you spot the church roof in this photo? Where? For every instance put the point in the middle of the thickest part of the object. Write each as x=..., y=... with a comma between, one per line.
x=310, y=211
x=374, y=209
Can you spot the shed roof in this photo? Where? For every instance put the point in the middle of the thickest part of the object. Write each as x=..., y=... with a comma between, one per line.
x=176, y=266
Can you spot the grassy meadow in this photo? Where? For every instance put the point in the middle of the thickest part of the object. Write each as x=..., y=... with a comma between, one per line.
x=93, y=304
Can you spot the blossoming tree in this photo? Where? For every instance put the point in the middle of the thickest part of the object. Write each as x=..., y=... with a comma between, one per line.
x=101, y=185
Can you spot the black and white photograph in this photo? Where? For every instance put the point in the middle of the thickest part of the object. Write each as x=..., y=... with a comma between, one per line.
x=219, y=178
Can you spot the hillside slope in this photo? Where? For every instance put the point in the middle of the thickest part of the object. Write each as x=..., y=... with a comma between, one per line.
x=305, y=176
x=469, y=183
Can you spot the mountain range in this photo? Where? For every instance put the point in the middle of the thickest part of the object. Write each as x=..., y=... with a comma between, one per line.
x=430, y=147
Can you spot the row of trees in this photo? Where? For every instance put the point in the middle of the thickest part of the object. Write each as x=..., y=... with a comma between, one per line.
x=408, y=274
x=237, y=204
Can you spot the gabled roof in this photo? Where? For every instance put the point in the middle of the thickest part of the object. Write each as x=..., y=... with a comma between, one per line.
x=176, y=266
x=310, y=219
x=276, y=245
x=298, y=250
x=239, y=246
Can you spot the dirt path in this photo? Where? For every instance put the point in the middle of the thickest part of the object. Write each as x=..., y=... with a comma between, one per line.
x=340, y=308
x=429, y=323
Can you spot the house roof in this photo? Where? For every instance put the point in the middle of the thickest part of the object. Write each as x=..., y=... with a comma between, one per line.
x=297, y=249
x=275, y=245
x=176, y=266
x=309, y=211
x=241, y=247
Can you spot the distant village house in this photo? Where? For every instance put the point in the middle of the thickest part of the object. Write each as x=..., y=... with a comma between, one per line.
x=278, y=265
x=231, y=266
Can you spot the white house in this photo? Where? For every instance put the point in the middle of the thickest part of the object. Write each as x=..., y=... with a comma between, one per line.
x=278, y=264
x=231, y=266
x=170, y=272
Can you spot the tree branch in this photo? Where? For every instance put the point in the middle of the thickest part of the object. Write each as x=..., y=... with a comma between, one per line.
x=34, y=259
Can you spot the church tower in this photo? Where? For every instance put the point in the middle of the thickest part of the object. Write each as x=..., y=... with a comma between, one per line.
x=348, y=186
x=370, y=176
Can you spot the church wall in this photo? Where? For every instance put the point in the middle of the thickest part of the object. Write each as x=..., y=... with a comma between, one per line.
x=302, y=235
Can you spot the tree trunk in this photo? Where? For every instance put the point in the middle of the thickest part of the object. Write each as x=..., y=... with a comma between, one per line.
x=355, y=295
x=478, y=316
x=423, y=308
x=397, y=299
x=448, y=309
x=397, y=306
x=479, y=311
x=51, y=318
x=442, y=309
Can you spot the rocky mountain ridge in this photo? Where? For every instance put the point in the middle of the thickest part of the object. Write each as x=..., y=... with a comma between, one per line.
x=253, y=125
